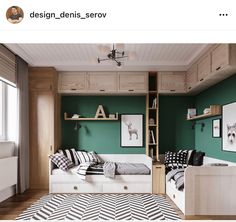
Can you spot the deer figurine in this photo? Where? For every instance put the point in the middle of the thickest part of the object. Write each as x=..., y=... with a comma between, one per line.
x=131, y=131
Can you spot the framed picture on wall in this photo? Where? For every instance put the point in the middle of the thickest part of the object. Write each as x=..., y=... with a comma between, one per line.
x=229, y=127
x=216, y=128
x=131, y=130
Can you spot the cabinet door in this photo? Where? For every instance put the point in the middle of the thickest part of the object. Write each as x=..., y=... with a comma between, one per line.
x=72, y=82
x=41, y=119
x=191, y=77
x=102, y=82
x=171, y=82
x=204, y=67
x=220, y=57
x=158, y=181
x=133, y=82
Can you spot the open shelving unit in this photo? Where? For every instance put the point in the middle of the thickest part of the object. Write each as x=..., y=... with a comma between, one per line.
x=152, y=113
x=91, y=119
x=215, y=110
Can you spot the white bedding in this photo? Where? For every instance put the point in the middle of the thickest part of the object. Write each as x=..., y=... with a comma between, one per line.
x=71, y=171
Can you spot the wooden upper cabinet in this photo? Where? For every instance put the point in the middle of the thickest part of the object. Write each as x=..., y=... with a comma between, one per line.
x=191, y=77
x=171, y=82
x=72, y=82
x=133, y=82
x=102, y=82
x=46, y=82
x=204, y=67
x=220, y=57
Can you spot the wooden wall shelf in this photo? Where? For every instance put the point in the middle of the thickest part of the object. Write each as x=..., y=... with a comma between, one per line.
x=91, y=119
x=215, y=110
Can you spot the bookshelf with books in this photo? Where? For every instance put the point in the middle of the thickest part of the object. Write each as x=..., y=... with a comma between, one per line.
x=152, y=117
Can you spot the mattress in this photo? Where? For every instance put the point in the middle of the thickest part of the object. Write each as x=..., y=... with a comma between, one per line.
x=121, y=169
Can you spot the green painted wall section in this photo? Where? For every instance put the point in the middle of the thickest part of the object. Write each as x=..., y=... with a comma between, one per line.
x=222, y=93
x=101, y=136
x=175, y=132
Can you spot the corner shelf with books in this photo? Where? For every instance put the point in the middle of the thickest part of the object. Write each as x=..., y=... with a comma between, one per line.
x=152, y=117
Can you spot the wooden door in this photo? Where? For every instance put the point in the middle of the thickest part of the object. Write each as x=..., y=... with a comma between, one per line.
x=41, y=137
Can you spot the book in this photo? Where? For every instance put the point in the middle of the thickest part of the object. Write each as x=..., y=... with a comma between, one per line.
x=191, y=113
x=152, y=138
x=154, y=103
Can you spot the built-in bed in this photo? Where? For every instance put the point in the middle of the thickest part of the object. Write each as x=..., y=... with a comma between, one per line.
x=208, y=190
x=69, y=182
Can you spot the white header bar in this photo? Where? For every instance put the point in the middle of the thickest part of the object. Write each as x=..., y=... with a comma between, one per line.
x=120, y=21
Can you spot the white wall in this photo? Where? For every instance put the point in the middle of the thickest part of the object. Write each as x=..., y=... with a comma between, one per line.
x=7, y=149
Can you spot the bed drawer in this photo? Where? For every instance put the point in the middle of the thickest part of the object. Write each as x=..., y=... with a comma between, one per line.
x=76, y=188
x=127, y=188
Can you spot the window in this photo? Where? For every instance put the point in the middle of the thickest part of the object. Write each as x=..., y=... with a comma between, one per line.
x=8, y=112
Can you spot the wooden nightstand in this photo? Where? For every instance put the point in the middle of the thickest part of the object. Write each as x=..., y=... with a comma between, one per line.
x=158, y=178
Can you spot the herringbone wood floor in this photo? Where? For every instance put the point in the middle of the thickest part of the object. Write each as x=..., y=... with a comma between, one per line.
x=14, y=206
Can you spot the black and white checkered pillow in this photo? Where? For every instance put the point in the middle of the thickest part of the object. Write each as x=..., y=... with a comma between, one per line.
x=70, y=154
x=61, y=161
x=85, y=157
x=175, y=160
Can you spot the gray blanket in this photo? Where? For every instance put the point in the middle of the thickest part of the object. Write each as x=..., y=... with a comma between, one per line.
x=178, y=176
x=111, y=169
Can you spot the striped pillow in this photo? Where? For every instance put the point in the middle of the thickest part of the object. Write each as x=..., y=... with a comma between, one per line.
x=70, y=154
x=85, y=157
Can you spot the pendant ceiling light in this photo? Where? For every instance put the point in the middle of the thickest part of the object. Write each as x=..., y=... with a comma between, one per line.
x=114, y=55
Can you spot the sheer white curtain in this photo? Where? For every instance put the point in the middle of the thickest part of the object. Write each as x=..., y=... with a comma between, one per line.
x=23, y=124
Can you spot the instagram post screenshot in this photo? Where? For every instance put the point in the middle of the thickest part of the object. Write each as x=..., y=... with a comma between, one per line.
x=117, y=111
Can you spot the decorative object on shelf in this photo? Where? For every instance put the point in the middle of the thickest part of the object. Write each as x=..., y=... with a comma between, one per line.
x=154, y=103
x=229, y=127
x=112, y=116
x=151, y=137
x=206, y=110
x=132, y=130
x=114, y=55
x=151, y=121
x=75, y=116
x=216, y=128
x=90, y=118
x=191, y=113
x=100, y=112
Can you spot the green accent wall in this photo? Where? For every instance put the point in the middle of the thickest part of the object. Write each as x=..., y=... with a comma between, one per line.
x=220, y=94
x=101, y=136
x=174, y=131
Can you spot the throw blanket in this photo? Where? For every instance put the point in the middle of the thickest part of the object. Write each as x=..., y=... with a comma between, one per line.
x=109, y=169
x=178, y=176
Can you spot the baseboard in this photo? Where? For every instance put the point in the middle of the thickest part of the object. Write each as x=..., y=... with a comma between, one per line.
x=8, y=192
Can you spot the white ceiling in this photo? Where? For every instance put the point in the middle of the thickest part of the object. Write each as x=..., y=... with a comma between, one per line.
x=83, y=57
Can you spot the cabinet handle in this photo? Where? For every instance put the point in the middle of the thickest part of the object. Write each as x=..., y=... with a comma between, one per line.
x=125, y=188
x=218, y=68
x=51, y=148
x=201, y=79
x=102, y=90
x=189, y=87
x=174, y=196
x=130, y=90
x=172, y=90
x=75, y=188
x=158, y=167
x=72, y=89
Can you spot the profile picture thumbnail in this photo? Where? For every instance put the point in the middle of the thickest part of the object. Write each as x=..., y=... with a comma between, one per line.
x=14, y=14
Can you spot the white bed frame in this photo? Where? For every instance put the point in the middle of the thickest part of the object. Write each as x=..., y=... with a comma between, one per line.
x=100, y=184
x=209, y=190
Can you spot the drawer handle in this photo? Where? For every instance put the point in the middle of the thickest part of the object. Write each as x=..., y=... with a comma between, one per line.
x=218, y=68
x=174, y=196
x=125, y=188
x=72, y=89
x=201, y=79
x=189, y=87
x=102, y=90
x=75, y=188
x=158, y=167
x=131, y=90
x=172, y=90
